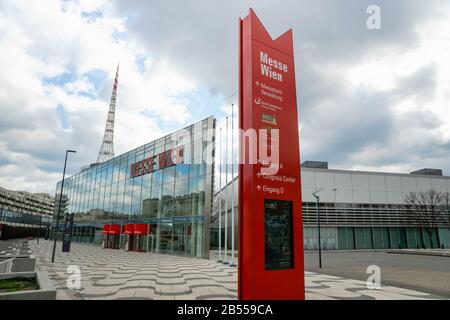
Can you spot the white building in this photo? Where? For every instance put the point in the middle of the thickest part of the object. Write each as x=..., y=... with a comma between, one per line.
x=361, y=210
x=21, y=209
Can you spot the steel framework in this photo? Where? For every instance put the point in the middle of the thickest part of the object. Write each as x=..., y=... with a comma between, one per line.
x=107, y=149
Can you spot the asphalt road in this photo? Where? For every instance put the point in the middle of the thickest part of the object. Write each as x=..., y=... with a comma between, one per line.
x=423, y=273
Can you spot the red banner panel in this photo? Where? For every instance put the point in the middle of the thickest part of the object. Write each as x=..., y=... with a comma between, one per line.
x=106, y=228
x=129, y=229
x=271, y=262
x=141, y=229
x=114, y=229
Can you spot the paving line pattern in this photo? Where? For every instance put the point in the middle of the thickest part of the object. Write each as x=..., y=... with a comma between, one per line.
x=116, y=274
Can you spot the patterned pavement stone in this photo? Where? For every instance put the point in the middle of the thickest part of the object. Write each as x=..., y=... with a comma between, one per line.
x=116, y=274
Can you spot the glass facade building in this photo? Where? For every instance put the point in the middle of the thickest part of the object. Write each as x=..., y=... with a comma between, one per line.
x=166, y=184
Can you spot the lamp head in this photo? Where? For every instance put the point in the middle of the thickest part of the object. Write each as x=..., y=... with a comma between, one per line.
x=317, y=191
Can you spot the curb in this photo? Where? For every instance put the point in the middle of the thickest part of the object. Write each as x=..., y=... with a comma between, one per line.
x=425, y=253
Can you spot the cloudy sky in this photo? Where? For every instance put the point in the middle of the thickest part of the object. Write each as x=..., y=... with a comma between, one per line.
x=369, y=99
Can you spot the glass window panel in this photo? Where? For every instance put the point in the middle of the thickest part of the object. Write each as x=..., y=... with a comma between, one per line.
x=150, y=208
x=157, y=178
x=145, y=191
x=139, y=156
x=127, y=172
x=146, y=181
x=168, y=208
x=136, y=205
x=137, y=191
x=122, y=173
x=170, y=143
x=182, y=171
x=181, y=188
x=149, y=152
x=137, y=183
x=200, y=204
x=201, y=185
x=131, y=157
x=198, y=132
x=150, y=146
x=169, y=175
x=120, y=204
x=194, y=170
x=197, y=152
x=197, y=204
x=156, y=192
x=168, y=190
x=159, y=146
x=188, y=156
x=183, y=206
x=127, y=203
x=193, y=185
x=140, y=150
x=202, y=169
x=129, y=185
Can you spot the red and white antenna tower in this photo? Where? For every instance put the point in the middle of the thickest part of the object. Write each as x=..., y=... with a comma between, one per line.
x=107, y=149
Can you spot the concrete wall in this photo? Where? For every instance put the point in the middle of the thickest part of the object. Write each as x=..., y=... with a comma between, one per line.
x=24, y=264
x=46, y=289
x=6, y=265
x=328, y=238
x=444, y=237
x=366, y=187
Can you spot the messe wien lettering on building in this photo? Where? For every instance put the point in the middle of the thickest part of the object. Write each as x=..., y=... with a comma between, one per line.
x=164, y=159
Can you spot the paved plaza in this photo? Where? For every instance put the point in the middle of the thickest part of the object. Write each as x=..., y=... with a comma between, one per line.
x=410, y=271
x=13, y=248
x=116, y=274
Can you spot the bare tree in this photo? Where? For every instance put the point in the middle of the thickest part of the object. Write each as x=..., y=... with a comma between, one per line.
x=426, y=208
x=445, y=209
x=213, y=218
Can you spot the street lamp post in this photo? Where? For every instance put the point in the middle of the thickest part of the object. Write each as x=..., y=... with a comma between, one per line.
x=113, y=212
x=224, y=261
x=40, y=226
x=59, y=205
x=220, y=197
x=315, y=194
x=232, y=263
x=112, y=221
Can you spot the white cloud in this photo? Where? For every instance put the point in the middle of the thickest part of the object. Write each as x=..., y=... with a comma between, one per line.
x=44, y=42
x=79, y=86
x=373, y=100
x=418, y=81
